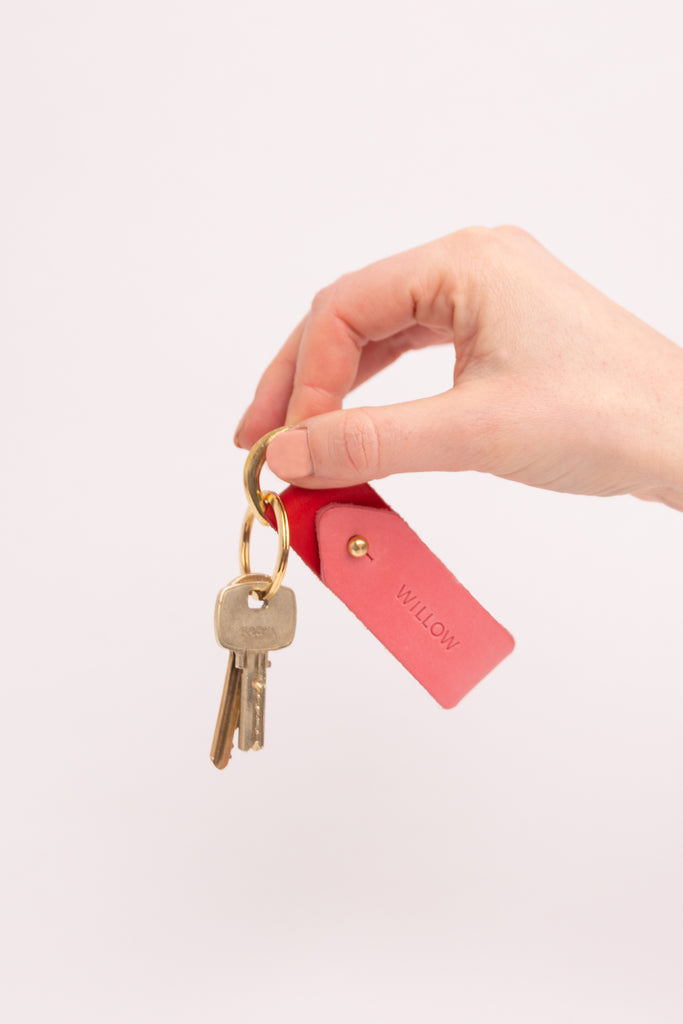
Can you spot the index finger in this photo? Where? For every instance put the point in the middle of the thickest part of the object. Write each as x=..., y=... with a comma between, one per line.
x=415, y=287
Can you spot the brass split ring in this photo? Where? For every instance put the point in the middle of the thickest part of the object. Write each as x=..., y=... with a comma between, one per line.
x=252, y=473
x=276, y=503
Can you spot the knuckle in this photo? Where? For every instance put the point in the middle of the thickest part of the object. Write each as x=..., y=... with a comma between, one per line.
x=359, y=443
x=491, y=249
x=477, y=238
x=485, y=254
x=485, y=249
x=513, y=232
x=323, y=300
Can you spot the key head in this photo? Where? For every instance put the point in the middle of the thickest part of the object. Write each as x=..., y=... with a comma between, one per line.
x=240, y=627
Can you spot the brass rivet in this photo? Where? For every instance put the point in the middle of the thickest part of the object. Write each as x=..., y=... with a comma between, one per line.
x=358, y=547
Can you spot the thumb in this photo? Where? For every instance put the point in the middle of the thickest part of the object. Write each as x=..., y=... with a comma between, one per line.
x=338, y=449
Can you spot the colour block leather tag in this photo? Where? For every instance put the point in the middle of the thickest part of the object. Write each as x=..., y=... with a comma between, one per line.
x=400, y=590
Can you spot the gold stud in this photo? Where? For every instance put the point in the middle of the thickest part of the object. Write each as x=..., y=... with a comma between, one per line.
x=358, y=547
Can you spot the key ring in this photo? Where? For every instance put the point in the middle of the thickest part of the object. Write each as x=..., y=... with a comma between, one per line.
x=252, y=473
x=276, y=503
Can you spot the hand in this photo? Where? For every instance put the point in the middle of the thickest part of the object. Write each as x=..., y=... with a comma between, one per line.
x=554, y=384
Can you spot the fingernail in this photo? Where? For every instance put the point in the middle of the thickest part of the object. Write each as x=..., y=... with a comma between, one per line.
x=236, y=438
x=289, y=456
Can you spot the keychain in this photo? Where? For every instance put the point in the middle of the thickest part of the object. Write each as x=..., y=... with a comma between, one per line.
x=377, y=565
x=250, y=632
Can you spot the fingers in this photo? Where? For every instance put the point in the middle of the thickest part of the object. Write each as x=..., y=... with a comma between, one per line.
x=269, y=407
x=361, y=309
x=360, y=324
x=341, y=448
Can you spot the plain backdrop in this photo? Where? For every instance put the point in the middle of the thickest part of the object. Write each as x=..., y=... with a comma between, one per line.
x=177, y=180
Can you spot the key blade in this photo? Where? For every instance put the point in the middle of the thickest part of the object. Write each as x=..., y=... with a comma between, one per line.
x=228, y=716
x=252, y=700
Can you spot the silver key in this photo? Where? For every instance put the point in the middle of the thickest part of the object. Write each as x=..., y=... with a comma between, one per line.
x=253, y=699
x=252, y=633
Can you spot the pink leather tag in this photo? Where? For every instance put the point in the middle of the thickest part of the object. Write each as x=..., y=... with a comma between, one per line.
x=409, y=600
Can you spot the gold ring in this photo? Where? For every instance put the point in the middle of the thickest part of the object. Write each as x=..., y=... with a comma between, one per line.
x=276, y=503
x=252, y=473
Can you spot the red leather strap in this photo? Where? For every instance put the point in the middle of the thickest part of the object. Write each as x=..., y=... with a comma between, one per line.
x=302, y=506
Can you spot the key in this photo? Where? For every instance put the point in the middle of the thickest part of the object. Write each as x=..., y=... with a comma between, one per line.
x=251, y=633
x=229, y=711
x=228, y=715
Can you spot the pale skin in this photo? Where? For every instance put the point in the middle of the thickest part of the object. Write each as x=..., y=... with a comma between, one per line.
x=555, y=385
